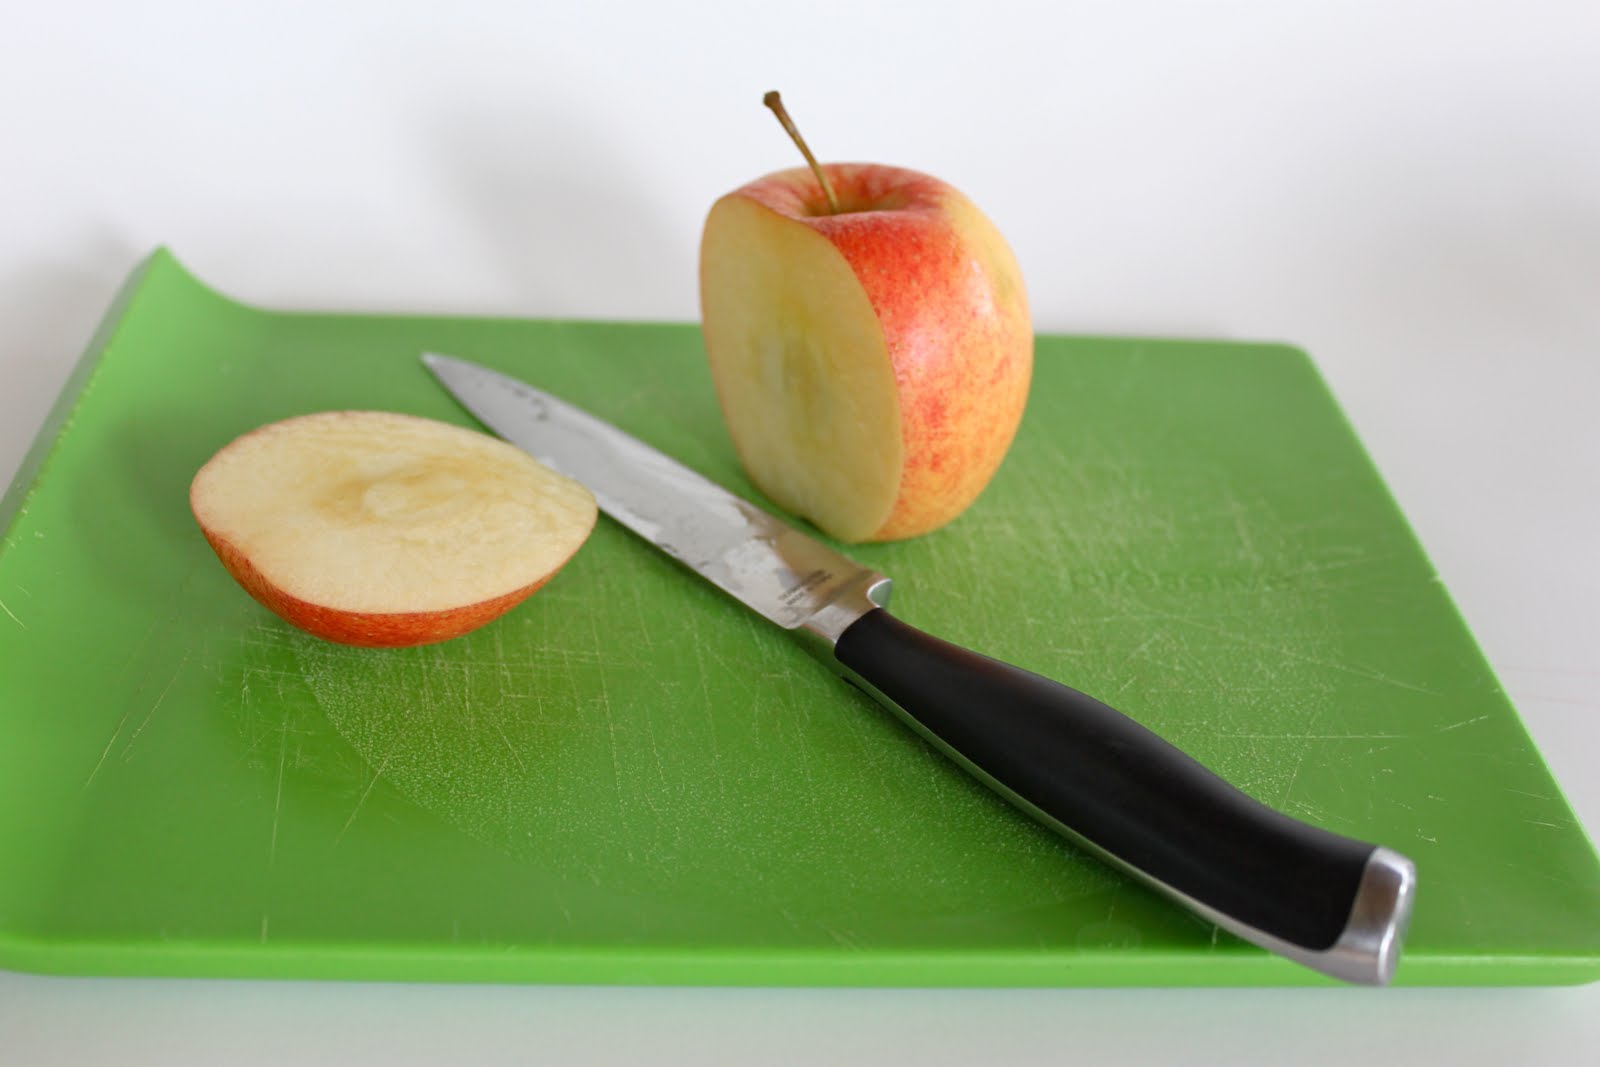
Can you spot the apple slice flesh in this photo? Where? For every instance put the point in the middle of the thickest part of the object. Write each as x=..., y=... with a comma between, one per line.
x=802, y=369
x=379, y=529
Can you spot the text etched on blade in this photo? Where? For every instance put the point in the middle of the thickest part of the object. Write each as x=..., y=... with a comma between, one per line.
x=807, y=583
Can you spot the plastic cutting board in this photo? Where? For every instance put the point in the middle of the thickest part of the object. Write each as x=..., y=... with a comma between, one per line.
x=632, y=779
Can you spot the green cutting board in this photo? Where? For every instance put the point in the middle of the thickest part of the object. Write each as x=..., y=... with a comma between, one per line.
x=632, y=779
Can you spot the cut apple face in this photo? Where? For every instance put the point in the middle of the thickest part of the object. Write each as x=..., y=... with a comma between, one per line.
x=385, y=530
x=802, y=369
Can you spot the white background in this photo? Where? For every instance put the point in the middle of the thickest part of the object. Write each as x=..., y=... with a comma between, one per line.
x=1409, y=190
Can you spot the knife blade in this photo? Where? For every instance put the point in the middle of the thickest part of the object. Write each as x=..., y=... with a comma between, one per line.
x=1095, y=776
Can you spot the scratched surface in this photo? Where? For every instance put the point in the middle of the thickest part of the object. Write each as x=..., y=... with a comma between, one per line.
x=630, y=778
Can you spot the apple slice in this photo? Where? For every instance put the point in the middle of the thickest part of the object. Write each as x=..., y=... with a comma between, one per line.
x=385, y=530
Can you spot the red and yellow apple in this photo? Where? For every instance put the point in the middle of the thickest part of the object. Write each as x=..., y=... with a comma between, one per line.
x=386, y=530
x=872, y=362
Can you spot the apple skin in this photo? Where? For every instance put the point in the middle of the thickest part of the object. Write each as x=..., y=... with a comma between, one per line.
x=949, y=297
x=365, y=629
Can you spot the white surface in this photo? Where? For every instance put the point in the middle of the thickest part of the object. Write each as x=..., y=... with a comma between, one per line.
x=1411, y=191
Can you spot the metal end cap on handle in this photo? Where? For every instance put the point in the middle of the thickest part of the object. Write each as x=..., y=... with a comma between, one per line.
x=1368, y=951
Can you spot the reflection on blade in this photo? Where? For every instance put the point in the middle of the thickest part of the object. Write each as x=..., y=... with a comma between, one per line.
x=765, y=564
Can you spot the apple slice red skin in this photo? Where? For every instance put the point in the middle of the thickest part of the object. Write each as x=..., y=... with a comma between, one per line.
x=367, y=629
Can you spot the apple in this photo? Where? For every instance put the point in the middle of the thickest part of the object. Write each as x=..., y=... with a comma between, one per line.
x=870, y=343
x=386, y=530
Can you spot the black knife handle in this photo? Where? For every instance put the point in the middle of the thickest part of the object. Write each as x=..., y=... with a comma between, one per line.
x=1099, y=776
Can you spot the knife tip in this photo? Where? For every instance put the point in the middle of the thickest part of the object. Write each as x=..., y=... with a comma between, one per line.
x=443, y=366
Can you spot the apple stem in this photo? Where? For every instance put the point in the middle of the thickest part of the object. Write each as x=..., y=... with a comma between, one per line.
x=775, y=102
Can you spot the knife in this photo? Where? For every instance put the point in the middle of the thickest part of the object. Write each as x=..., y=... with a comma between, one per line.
x=1095, y=776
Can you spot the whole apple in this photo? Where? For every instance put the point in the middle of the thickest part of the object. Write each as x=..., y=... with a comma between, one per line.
x=872, y=362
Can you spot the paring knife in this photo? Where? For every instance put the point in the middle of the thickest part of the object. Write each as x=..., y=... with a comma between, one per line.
x=1092, y=774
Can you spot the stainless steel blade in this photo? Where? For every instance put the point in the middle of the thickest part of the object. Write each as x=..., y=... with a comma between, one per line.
x=765, y=564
